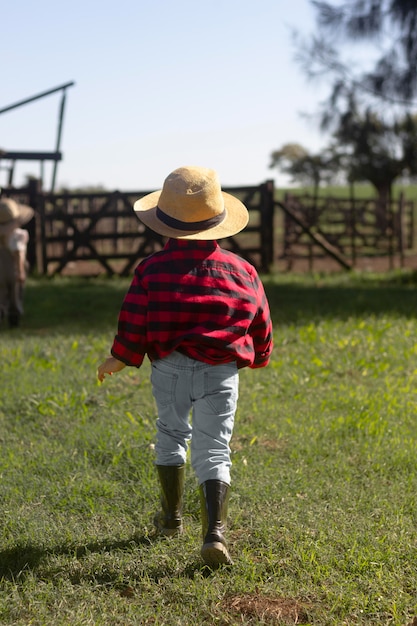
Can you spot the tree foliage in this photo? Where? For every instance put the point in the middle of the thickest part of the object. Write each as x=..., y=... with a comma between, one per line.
x=369, y=113
x=390, y=24
x=304, y=167
x=363, y=147
x=376, y=150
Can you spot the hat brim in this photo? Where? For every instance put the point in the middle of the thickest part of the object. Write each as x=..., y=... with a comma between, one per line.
x=25, y=215
x=236, y=219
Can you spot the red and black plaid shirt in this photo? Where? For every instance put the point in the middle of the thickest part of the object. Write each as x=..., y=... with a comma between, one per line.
x=199, y=299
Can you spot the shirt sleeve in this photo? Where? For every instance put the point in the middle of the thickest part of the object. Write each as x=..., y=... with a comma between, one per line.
x=261, y=328
x=18, y=240
x=129, y=345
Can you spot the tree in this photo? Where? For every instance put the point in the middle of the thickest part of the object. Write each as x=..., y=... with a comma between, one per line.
x=391, y=24
x=363, y=147
x=304, y=167
x=375, y=150
x=375, y=142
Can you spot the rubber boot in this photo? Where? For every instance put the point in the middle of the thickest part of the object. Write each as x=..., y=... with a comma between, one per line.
x=171, y=478
x=14, y=319
x=214, y=497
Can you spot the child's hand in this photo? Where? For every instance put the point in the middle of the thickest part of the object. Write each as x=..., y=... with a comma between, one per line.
x=110, y=365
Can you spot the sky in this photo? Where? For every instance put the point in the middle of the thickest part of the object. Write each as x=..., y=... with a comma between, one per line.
x=158, y=84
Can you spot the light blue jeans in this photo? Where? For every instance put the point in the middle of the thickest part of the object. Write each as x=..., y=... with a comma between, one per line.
x=184, y=388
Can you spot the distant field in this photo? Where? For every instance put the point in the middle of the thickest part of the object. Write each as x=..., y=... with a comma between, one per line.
x=360, y=191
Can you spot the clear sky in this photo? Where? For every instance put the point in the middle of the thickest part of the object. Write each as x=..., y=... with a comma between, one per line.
x=158, y=84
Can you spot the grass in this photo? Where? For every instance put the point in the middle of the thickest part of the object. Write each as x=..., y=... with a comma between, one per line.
x=361, y=190
x=323, y=519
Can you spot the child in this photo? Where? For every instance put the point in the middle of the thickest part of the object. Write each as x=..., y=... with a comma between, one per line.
x=13, y=263
x=200, y=314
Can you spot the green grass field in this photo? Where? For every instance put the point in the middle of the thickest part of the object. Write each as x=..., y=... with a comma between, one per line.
x=361, y=190
x=323, y=518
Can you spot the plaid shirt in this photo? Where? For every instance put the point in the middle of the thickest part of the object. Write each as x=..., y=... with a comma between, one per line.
x=197, y=298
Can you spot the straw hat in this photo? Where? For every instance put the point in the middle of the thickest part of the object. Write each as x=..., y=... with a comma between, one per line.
x=191, y=205
x=13, y=215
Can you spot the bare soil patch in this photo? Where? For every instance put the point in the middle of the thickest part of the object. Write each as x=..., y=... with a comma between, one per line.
x=277, y=610
x=326, y=264
x=377, y=264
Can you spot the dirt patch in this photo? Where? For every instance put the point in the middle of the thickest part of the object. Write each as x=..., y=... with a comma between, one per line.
x=285, y=611
x=375, y=264
x=318, y=264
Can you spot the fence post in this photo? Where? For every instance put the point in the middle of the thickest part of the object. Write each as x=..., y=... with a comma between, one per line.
x=33, y=190
x=391, y=232
x=267, y=225
x=401, y=228
x=352, y=223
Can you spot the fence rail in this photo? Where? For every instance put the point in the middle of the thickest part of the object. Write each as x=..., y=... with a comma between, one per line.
x=92, y=233
x=99, y=232
x=354, y=227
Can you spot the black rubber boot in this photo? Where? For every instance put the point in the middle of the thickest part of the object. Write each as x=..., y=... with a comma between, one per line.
x=14, y=319
x=171, y=478
x=214, y=497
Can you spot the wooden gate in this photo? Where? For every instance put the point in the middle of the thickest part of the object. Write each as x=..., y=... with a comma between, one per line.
x=346, y=229
x=92, y=233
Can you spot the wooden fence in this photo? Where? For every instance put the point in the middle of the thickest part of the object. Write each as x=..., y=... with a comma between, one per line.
x=92, y=233
x=346, y=228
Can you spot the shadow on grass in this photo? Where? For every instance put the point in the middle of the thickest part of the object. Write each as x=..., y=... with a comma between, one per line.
x=88, y=304
x=18, y=562
x=301, y=304
x=300, y=299
x=73, y=303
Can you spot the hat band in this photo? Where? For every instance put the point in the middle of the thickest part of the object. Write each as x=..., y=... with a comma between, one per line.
x=189, y=226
